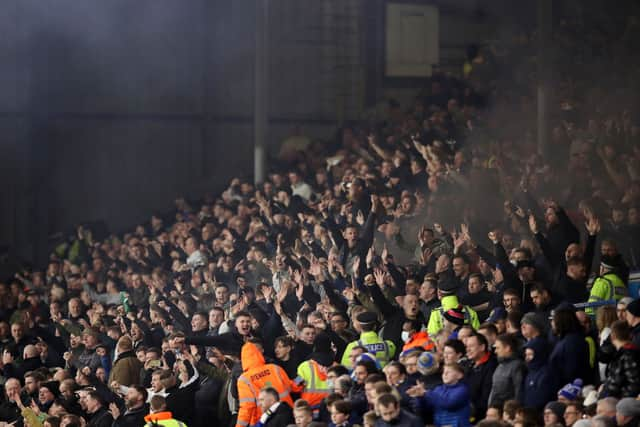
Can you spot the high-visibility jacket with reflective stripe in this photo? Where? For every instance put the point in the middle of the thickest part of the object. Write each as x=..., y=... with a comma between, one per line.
x=605, y=288
x=383, y=350
x=314, y=378
x=436, y=319
x=419, y=340
x=256, y=376
x=164, y=419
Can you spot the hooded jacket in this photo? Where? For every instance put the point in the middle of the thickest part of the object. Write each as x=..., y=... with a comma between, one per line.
x=538, y=387
x=256, y=374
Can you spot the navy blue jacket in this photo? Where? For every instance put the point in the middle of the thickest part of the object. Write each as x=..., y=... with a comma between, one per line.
x=570, y=360
x=538, y=385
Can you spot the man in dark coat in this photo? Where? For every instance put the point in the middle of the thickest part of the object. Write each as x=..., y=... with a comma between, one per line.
x=98, y=414
x=479, y=377
x=9, y=410
x=136, y=408
x=274, y=412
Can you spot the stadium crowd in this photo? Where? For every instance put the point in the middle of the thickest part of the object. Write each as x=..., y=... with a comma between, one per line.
x=430, y=267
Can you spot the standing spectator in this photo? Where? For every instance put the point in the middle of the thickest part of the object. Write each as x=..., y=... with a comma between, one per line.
x=538, y=385
x=126, y=368
x=570, y=356
x=391, y=414
x=479, y=377
x=98, y=414
x=623, y=379
x=89, y=357
x=9, y=410
x=274, y=412
x=509, y=374
x=450, y=401
x=136, y=408
x=632, y=316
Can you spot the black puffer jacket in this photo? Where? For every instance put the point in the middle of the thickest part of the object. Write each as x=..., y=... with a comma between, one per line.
x=623, y=379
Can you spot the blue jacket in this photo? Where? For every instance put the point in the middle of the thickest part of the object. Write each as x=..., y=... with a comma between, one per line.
x=570, y=360
x=538, y=384
x=451, y=404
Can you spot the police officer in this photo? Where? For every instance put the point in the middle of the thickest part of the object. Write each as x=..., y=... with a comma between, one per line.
x=448, y=300
x=608, y=286
x=383, y=350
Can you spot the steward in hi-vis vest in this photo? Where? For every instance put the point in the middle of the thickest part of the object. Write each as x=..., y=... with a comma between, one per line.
x=256, y=375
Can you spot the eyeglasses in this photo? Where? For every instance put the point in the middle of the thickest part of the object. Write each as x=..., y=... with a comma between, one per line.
x=570, y=413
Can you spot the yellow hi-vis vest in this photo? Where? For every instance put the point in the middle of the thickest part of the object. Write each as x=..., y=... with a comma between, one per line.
x=606, y=287
x=384, y=350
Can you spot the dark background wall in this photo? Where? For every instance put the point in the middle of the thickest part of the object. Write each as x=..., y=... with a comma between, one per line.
x=109, y=110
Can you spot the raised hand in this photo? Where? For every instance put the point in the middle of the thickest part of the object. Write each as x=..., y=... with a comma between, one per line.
x=425, y=256
x=370, y=255
x=593, y=226
x=422, y=235
x=360, y=218
x=375, y=203
x=356, y=266
x=533, y=224
x=300, y=292
x=379, y=275
x=385, y=253
x=268, y=293
x=442, y=264
x=464, y=230
x=114, y=410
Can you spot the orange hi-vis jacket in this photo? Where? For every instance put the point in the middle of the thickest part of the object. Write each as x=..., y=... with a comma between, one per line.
x=314, y=378
x=257, y=375
x=419, y=340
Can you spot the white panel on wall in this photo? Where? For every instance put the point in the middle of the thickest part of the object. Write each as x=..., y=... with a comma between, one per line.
x=412, y=40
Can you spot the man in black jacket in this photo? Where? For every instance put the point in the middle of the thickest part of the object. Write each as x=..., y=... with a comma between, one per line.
x=479, y=377
x=274, y=412
x=98, y=414
x=632, y=315
x=9, y=410
x=350, y=243
x=230, y=342
x=136, y=408
x=179, y=397
x=395, y=317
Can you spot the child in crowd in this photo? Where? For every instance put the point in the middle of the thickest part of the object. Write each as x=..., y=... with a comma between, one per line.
x=450, y=402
